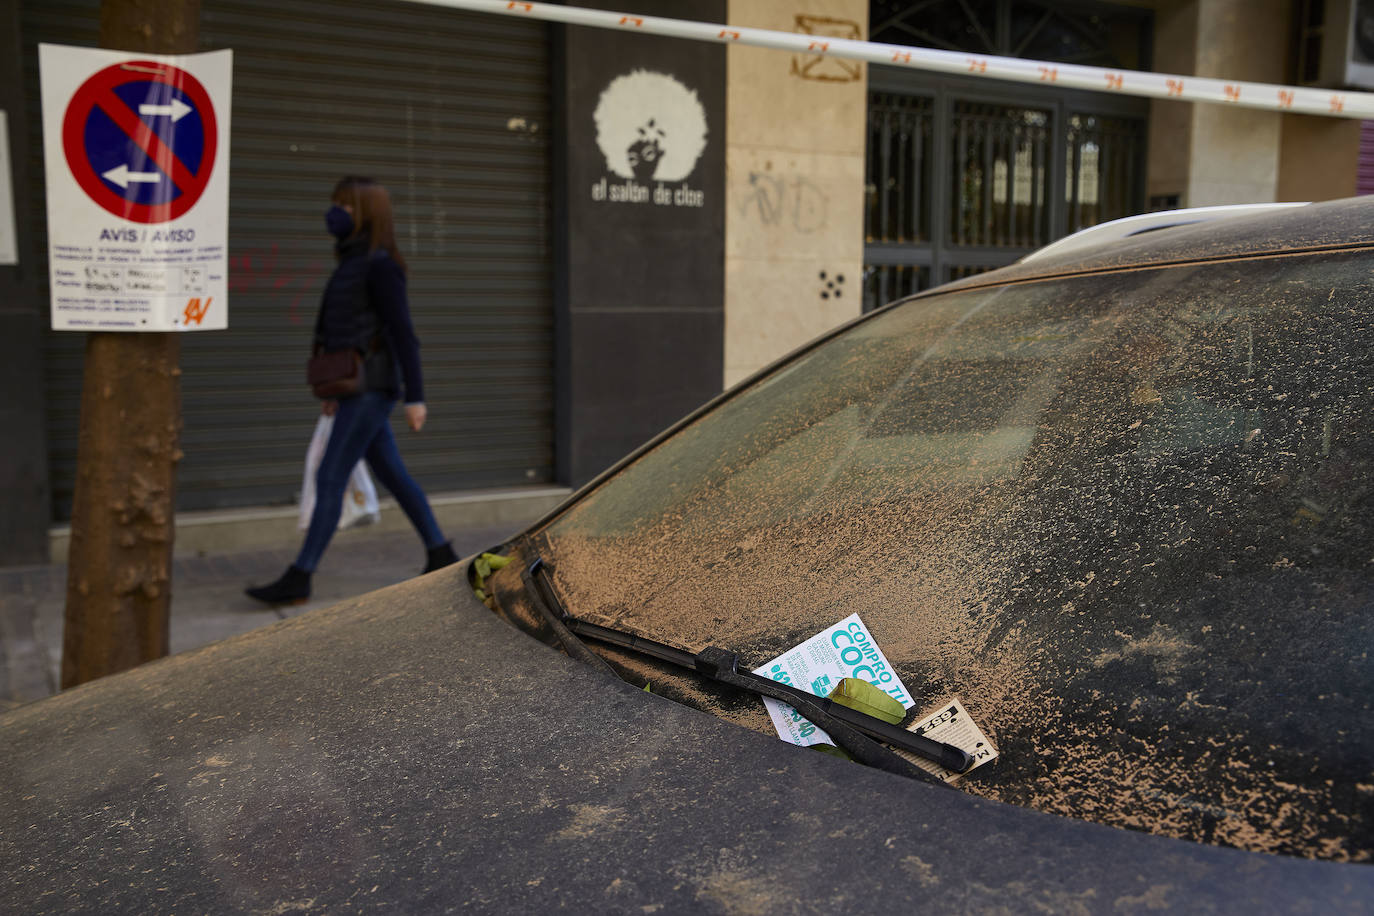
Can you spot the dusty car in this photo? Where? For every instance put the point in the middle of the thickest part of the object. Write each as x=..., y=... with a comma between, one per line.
x=1112, y=506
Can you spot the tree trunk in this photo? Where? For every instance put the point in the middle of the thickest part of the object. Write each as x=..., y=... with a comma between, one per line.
x=120, y=561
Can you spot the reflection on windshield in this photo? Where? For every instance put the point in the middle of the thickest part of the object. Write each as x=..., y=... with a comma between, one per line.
x=1124, y=518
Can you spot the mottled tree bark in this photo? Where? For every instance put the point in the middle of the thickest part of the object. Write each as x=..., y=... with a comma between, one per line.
x=120, y=563
x=157, y=26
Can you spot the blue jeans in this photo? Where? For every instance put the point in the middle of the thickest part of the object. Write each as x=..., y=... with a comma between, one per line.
x=362, y=430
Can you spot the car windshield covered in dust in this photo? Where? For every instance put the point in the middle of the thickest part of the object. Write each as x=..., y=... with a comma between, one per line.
x=1120, y=512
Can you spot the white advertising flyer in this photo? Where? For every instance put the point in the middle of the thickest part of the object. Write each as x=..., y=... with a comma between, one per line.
x=952, y=724
x=136, y=151
x=844, y=650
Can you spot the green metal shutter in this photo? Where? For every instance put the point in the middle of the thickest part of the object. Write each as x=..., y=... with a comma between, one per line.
x=450, y=110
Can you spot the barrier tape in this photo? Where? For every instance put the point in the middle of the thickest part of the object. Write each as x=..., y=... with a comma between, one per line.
x=1264, y=96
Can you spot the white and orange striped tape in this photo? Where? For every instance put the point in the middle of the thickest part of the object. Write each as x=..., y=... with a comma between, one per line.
x=1266, y=96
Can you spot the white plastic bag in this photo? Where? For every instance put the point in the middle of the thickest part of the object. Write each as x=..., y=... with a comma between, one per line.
x=360, y=498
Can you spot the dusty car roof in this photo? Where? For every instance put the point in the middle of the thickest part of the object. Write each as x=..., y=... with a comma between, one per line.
x=1093, y=237
x=409, y=751
x=1337, y=224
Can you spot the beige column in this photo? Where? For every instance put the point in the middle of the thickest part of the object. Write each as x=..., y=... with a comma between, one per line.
x=795, y=133
x=1235, y=151
x=1171, y=123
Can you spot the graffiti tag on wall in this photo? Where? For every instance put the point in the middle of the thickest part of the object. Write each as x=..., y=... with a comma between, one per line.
x=777, y=200
x=821, y=67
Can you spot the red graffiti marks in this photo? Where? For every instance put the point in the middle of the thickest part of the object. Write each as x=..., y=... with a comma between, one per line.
x=261, y=271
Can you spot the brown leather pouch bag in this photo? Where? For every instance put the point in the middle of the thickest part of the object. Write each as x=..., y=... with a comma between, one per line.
x=335, y=375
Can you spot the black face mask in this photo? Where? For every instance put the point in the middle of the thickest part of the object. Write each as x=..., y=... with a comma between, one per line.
x=339, y=222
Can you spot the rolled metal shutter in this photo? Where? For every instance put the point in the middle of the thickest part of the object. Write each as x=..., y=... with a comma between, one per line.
x=1364, y=176
x=450, y=110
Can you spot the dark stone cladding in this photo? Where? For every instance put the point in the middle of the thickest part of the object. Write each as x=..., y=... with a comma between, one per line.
x=640, y=305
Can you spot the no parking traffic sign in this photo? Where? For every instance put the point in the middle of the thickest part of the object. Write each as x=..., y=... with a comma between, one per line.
x=136, y=149
x=140, y=140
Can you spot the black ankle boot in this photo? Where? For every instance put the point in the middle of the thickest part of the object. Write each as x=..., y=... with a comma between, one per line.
x=439, y=557
x=292, y=588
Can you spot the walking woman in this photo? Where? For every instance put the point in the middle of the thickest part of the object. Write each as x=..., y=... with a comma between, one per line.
x=364, y=311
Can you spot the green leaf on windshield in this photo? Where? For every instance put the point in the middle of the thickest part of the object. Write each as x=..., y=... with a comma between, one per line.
x=832, y=750
x=861, y=696
x=488, y=563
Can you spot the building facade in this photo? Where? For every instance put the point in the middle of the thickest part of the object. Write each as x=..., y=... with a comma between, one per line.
x=605, y=229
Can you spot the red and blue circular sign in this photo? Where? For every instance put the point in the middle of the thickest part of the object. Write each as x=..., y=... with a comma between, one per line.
x=140, y=138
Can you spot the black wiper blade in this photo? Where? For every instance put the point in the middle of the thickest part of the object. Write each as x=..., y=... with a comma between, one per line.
x=722, y=666
x=535, y=579
x=661, y=651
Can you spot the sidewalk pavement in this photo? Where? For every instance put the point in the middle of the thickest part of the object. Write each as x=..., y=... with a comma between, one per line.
x=208, y=603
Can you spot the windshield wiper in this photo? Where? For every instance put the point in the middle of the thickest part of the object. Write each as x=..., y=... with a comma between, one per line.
x=537, y=584
x=852, y=730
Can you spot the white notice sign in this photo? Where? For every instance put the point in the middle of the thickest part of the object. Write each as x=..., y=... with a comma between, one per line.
x=9, y=244
x=136, y=150
x=844, y=650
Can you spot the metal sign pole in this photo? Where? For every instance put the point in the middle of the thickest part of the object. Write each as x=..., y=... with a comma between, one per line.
x=119, y=566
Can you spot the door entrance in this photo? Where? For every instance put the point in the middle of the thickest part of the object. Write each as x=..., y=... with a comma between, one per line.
x=965, y=175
